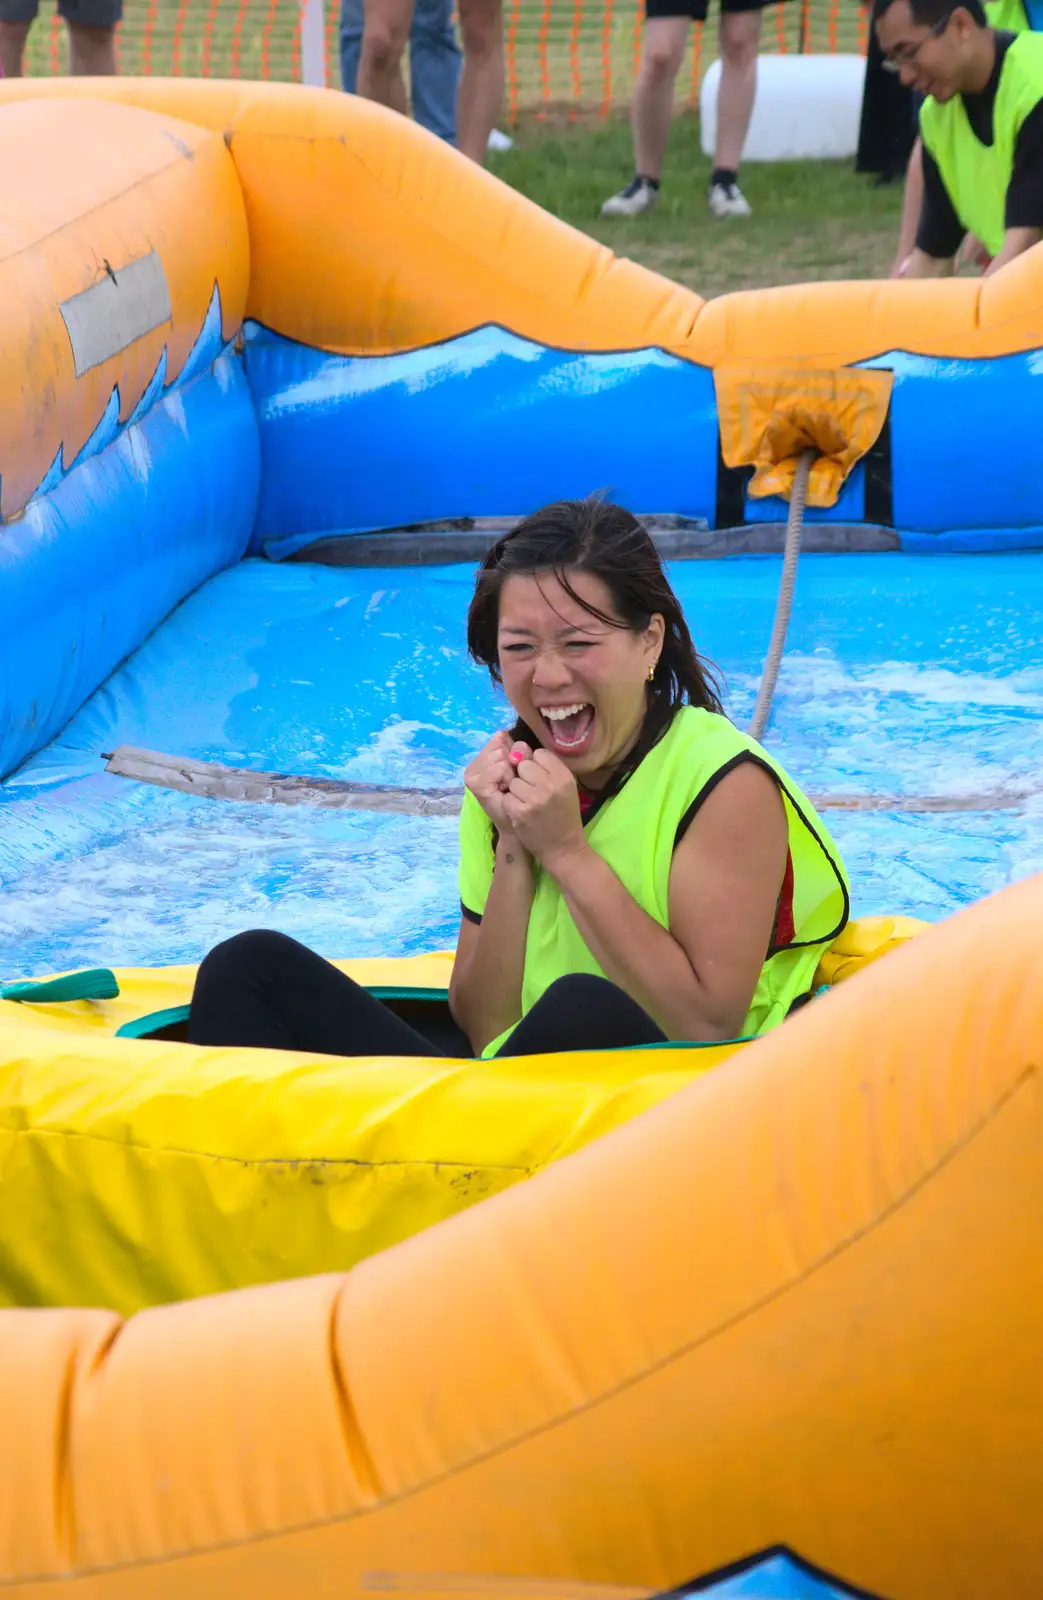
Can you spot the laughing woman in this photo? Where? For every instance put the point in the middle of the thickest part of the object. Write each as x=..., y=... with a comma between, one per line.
x=633, y=869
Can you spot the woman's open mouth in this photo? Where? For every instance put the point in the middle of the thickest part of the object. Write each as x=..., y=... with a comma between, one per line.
x=570, y=728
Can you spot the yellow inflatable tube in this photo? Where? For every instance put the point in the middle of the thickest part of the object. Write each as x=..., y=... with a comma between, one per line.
x=801, y=1304
x=190, y=1171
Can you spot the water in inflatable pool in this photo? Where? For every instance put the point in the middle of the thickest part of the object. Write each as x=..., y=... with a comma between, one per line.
x=904, y=675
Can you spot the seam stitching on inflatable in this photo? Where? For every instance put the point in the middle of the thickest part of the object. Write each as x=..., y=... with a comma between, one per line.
x=64, y=1514
x=148, y=177
x=948, y=1157
x=262, y=1161
x=355, y=1445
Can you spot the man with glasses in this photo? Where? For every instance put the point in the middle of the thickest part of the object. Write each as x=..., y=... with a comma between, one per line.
x=981, y=127
x=1010, y=16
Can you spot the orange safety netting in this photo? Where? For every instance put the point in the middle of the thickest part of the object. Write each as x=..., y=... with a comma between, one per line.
x=571, y=56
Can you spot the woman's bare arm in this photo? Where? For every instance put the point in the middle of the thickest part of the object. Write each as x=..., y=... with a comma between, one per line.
x=486, y=986
x=696, y=979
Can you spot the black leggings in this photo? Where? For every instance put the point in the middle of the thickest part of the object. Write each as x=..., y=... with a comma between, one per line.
x=266, y=990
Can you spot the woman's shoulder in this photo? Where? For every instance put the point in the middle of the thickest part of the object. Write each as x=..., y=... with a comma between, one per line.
x=690, y=753
x=694, y=725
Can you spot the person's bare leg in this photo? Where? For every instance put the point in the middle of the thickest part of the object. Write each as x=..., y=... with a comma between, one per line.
x=92, y=51
x=739, y=35
x=385, y=34
x=482, y=76
x=12, y=47
x=399, y=100
x=652, y=110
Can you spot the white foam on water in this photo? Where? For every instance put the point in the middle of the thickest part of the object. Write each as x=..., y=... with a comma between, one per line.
x=98, y=871
x=185, y=873
x=905, y=729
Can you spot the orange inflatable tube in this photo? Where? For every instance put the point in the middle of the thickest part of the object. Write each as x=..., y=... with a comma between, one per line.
x=799, y=1304
x=458, y=249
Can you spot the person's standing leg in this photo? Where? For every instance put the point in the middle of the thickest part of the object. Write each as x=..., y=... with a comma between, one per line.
x=12, y=47
x=263, y=990
x=434, y=67
x=385, y=33
x=740, y=32
x=351, y=16
x=665, y=39
x=434, y=62
x=92, y=52
x=92, y=36
x=16, y=18
x=481, y=77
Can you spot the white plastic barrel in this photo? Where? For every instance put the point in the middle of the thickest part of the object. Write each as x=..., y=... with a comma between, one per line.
x=807, y=108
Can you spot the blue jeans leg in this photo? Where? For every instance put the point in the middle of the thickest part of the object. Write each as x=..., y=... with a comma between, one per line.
x=434, y=67
x=351, y=18
x=434, y=61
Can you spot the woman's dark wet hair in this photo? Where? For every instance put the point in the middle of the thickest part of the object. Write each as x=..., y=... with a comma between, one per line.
x=607, y=541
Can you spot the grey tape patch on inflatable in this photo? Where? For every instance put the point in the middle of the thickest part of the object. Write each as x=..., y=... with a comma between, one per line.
x=127, y=304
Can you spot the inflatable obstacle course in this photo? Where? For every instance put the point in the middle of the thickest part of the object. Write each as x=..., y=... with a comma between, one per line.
x=792, y=1303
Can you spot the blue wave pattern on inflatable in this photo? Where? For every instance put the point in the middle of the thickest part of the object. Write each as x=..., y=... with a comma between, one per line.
x=775, y=1576
x=965, y=451
x=489, y=425
x=485, y=425
x=204, y=353
x=96, y=563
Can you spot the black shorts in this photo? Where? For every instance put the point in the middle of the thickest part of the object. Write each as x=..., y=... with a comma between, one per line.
x=695, y=10
x=82, y=13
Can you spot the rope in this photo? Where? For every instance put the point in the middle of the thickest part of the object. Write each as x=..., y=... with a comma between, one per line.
x=214, y=782
x=784, y=603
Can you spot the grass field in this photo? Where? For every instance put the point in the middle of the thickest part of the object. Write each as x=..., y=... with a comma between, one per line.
x=810, y=220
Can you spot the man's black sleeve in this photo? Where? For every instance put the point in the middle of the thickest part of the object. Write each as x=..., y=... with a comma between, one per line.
x=940, y=231
x=1024, y=207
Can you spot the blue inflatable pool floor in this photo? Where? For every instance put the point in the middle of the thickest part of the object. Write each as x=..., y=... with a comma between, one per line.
x=903, y=674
